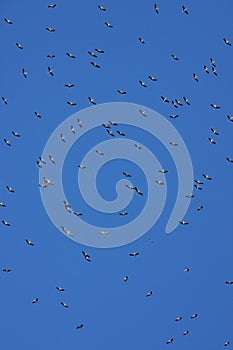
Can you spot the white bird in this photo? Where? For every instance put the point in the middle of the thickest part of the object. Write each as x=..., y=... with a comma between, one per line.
x=47, y=181
x=62, y=138
x=24, y=73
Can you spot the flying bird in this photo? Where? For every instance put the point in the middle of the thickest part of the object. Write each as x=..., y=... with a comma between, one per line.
x=101, y=8
x=121, y=92
x=134, y=254
x=6, y=223
x=229, y=160
x=214, y=71
x=8, y=21
x=156, y=8
x=50, y=71
x=206, y=69
x=229, y=283
x=195, y=77
x=186, y=269
x=91, y=100
x=149, y=294
x=99, y=50
x=7, y=142
x=95, y=65
x=186, y=101
x=142, y=83
x=10, y=189
x=212, y=62
x=184, y=9
x=4, y=100
x=214, y=131
x=185, y=332
x=227, y=42
x=51, y=56
x=141, y=40
x=152, y=78
x=6, y=270
x=29, y=242
x=71, y=103
x=86, y=256
x=69, y=85
x=126, y=278
x=16, y=134
x=70, y=55
x=34, y=301
x=169, y=341
x=19, y=46
x=64, y=304
x=178, y=319
x=175, y=58
x=60, y=289
x=52, y=6
x=51, y=30
x=194, y=316
x=37, y=115
x=214, y=106
x=207, y=177
x=109, y=25
x=120, y=133
x=164, y=99
x=24, y=73
x=126, y=174
x=212, y=141
x=184, y=222
x=92, y=54
x=79, y=326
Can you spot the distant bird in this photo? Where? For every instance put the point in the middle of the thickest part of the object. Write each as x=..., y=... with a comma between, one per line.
x=134, y=254
x=71, y=103
x=184, y=9
x=101, y=8
x=126, y=278
x=34, y=301
x=152, y=78
x=92, y=54
x=200, y=208
x=8, y=21
x=64, y=304
x=47, y=181
x=72, y=129
x=121, y=92
x=141, y=40
x=175, y=58
x=227, y=343
x=159, y=182
x=185, y=332
x=229, y=160
x=178, y=319
x=6, y=223
x=174, y=116
x=189, y=196
x=60, y=289
x=212, y=141
x=42, y=186
x=230, y=118
x=184, y=222
x=51, y=30
x=6, y=270
x=42, y=160
x=24, y=73
x=179, y=102
x=92, y=101
x=229, y=283
x=79, y=326
x=194, y=316
x=169, y=341
x=214, y=106
x=106, y=126
x=86, y=256
x=137, y=146
x=110, y=133
x=212, y=62
x=123, y=213
x=214, y=71
x=112, y=123
x=82, y=166
x=103, y=232
x=149, y=294
x=173, y=144
x=67, y=232
x=16, y=134
x=95, y=65
x=142, y=113
x=174, y=104
x=69, y=85
x=29, y=242
x=2, y=204
x=19, y=46
x=227, y=42
x=109, y=25
x=142, y=83
x=198, y=187
x=7, y=142
x=206, y=69
x=195, y=77
x=164, y=99
x=186, y=269
x=70, y=55
x=207, y=177
x=120, y=133
x=99, y=50
x=51, y=56
x=50, y=71
x=99, y=152
x=79, y=123
x=214, y=131
x=138, y=191
x=37, y=115
x=199, y=182
x=4, y=100
x=186, y=101
x=77, y=213
x=52, y=6
x=126, y=174
x=156, y=8
x=130, y=187
x=10, y=189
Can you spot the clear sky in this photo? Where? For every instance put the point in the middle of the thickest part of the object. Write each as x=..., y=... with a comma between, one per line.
x=116, y=314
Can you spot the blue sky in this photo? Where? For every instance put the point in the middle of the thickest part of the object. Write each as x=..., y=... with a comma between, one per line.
x=116, y=314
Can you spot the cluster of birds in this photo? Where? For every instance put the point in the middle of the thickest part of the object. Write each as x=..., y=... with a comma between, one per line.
x=112, y=131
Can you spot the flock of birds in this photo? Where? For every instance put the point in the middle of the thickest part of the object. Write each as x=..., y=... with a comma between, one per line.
x=111, y=130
